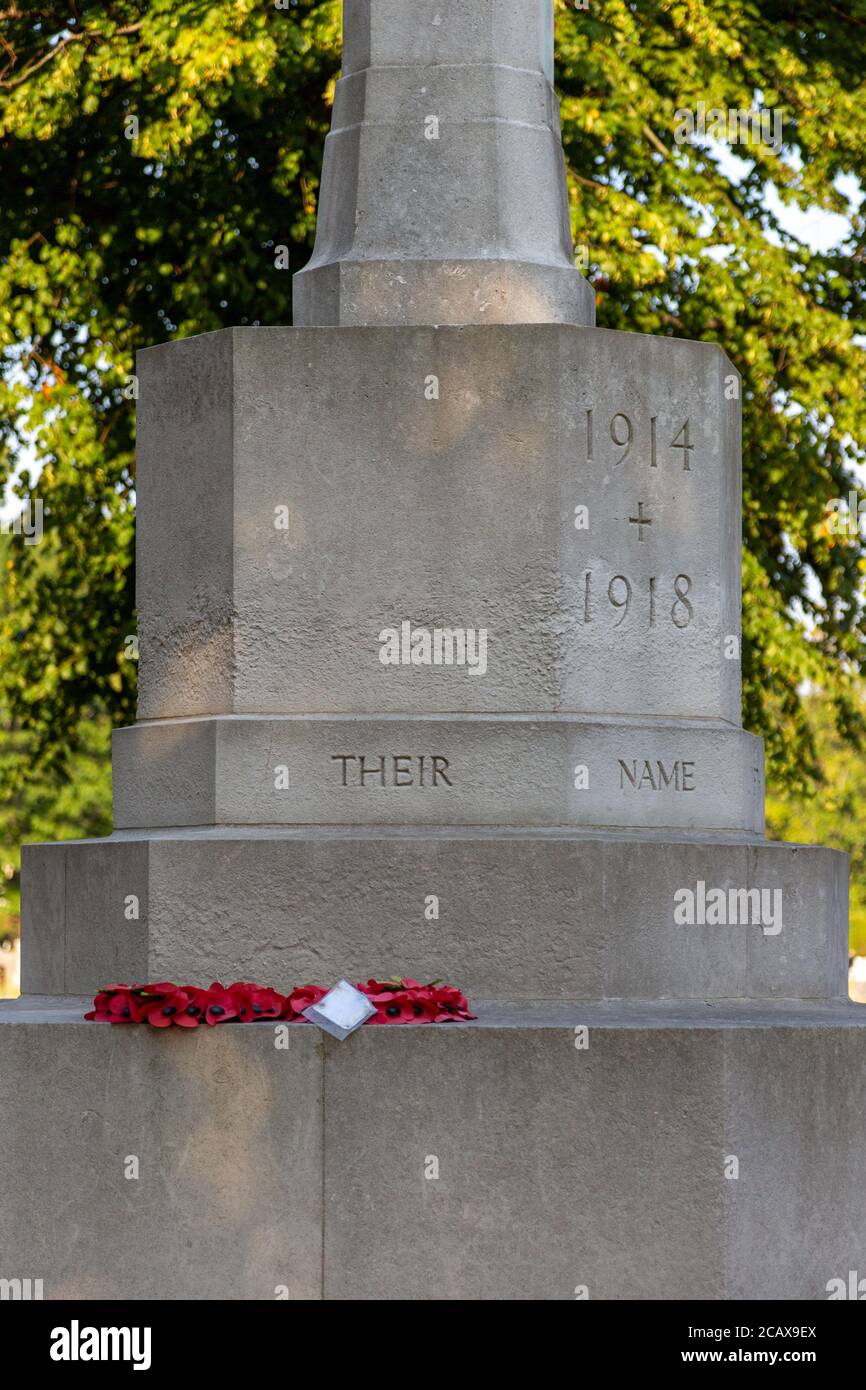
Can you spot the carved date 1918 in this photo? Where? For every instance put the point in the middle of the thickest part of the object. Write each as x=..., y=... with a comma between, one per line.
x=621, y=591
x=396, y=770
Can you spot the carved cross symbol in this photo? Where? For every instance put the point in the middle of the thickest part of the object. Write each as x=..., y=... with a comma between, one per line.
x=640, y=521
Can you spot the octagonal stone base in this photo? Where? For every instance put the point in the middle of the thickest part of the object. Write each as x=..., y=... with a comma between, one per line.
x=506, y=914
x=414, y=293
x=673, y=1153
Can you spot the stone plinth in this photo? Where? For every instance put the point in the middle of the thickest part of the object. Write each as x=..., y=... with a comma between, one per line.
x=267, y=1172
x=439, y=622
x=299, y=495
x=521, y=915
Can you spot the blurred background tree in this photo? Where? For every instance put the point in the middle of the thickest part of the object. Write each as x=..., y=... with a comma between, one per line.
x=154, y=154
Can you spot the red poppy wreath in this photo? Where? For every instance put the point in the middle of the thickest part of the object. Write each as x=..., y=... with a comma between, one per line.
x=186, y=1006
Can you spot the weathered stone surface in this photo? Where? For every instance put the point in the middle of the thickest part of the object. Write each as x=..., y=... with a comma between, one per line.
x=602, y=1168
x=558, y=1167
x=703, y=775
x=43, y=924
x=541, y=915
x=606, y=575
x=796, y=1119
x=227, y=1131
x=443, y=196
x=184, y=525
x=429, y=33
x=494, y=291
x=84, y=915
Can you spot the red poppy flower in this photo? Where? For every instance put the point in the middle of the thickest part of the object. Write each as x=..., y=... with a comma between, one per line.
x=402, y=1008
x=381, y=991
x=190, y=1010
x=301, y=999
x=165, y=1005
x=394, y=1011
x=256, y=1003
x=451, y=1004
x=116, y=1004
x=220, y=1006
x=170, y=1009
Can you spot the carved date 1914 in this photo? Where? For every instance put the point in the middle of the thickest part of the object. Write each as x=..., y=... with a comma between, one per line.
x=623, y=436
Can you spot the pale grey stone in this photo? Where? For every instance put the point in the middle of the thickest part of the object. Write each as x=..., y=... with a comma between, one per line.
x=521, y=915
x=227, y=1130
x=796, y=1121
x=575, y=495
x=443, y=196
x=470, y=499
x=601, y=1166
x=43, y=922
x=430, y=33
x=183, y=529
x=556, y=1168
x=107, y=913
x=75, y=932
x=811, y=889
x=701, y=775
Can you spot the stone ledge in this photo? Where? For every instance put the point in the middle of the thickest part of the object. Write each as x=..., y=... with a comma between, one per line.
x=473, y=771
x=612, y=1013
x=552, y=917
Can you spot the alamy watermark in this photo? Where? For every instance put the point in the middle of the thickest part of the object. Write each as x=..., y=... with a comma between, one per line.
x=27, y=523
x=845, y=515
x=77, y=1343
x=20, y=1290
x=437, y=646
x=851, y=1288
x=729, y=907
x=731, y=125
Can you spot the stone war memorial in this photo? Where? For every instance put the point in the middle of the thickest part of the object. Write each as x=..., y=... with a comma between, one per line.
x=439, y=621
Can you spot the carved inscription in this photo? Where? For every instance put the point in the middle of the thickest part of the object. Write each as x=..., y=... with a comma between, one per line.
x=652, y=775
x=392, y=770
x=622, y=592
x=640, y=521
x=625, y=438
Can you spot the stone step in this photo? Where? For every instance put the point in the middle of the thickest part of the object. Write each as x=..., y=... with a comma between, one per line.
x=607, y=1151
x=504, y=914
x=488, y=770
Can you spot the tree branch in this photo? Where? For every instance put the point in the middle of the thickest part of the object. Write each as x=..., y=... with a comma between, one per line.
x=60, y=47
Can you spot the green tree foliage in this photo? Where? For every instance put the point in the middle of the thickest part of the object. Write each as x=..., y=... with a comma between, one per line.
x=154, y=154
x=653, y=215
x=71, y=799
x=51, y=807
x=151, y=156
x=834, y=816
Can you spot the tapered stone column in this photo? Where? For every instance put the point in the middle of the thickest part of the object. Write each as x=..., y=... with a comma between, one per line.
x=443, y=197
